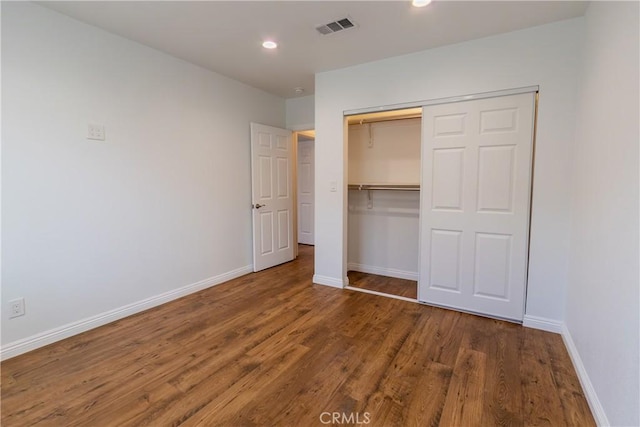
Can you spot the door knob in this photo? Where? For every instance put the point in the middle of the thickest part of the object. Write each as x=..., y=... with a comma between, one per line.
x=258, y=205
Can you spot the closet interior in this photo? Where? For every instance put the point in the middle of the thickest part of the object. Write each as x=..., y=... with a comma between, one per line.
x=384, y=201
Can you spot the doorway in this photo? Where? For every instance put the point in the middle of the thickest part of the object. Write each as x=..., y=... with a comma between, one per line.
x=282, y=173
x=306, y=188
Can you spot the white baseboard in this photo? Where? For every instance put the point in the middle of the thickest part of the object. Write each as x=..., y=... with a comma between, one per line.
x=587, y=387
x=328, y=281
x=382, y=271
x=542, y=323
x=48, y=337
x=590, y=393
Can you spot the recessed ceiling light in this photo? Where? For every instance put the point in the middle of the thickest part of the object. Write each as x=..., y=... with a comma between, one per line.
x=298, y=90
x=268, y=44
x=420, y=3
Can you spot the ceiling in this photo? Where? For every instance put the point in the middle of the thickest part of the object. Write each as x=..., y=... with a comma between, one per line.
x=226, y=36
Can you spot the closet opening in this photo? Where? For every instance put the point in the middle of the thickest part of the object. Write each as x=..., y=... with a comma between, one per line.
x=383, y=217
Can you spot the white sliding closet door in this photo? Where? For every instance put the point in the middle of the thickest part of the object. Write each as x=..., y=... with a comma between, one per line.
x=476, y=183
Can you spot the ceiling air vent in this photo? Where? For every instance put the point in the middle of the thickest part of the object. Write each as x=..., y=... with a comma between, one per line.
x=335, y=26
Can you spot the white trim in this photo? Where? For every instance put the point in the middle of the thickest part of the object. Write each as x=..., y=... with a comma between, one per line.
x=328, y=281
x=382, y=271
x=381, y=294
x=587, y=387
x=53, y=335
x=301, y=128
x=542, y=323
x=449, y=100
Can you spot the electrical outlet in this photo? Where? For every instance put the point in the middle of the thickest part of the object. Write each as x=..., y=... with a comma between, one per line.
x=96, y=132
x=16, y=308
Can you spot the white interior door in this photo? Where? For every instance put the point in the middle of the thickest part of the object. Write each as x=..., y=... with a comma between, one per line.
x=271, y=189
x=476, y=185
x=306, y=150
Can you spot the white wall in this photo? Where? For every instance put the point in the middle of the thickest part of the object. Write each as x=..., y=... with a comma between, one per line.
x=384, y=239
x=603, y=293
x=300, y=113
x=90, y=227
x=548, y=56
x=385, y=152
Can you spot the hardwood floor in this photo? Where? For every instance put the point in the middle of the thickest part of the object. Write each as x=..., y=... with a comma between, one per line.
x=386, y=285
x=271, y=349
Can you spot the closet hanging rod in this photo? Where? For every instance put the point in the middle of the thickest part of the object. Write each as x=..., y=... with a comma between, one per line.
x=401, y=187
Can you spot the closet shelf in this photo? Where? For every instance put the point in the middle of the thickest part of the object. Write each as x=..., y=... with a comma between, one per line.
x=401, y=187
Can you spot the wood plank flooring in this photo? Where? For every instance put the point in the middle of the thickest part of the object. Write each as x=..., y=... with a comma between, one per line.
x=384, y=284
x=271, y=349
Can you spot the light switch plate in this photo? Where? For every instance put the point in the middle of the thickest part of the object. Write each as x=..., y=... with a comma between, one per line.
x=96, y=132
x=333, y=186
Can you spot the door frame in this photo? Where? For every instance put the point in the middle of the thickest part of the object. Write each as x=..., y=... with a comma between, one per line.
x=294, y=177
x=448, y=100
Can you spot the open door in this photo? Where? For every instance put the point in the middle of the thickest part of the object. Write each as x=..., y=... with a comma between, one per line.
x=272, y=194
